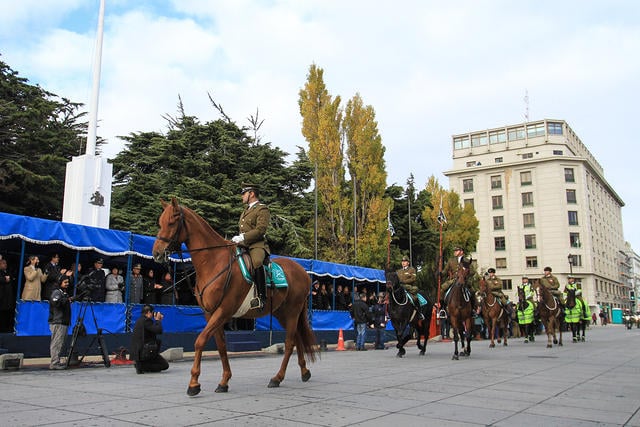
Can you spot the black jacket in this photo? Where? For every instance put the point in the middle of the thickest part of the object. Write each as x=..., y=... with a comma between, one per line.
x=59, y=308
x=145, y=330
x=360, y=312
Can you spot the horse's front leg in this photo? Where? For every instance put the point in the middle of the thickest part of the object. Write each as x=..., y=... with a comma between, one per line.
x=468, y=327
x=492, y=332
x=455, y=344
x=213, y=327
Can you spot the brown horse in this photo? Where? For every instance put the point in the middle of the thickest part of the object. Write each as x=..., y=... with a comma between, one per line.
x=550, y=313
x=493, y=313
x=460, y=310
x=221, y=290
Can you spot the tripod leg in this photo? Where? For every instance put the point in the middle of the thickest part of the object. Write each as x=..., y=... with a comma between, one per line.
x=103, y=349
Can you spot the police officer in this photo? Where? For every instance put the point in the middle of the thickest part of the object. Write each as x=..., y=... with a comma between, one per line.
x=253, y=225
x=571, y=284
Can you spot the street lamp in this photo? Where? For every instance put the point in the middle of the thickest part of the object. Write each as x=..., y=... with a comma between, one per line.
x=570, y=259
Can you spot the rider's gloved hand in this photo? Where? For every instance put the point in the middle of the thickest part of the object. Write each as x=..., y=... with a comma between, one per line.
x=238, y=239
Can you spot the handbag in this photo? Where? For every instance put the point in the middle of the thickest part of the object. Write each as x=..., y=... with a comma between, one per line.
x=149, y=350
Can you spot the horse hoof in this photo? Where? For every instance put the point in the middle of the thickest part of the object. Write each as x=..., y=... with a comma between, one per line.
x=505, y=344
x=492, y=345
x=274, y=383
x=549, y=346
x=455, y=357
x=399, y=355
x=555, y=341
x=222, y=388
x=306, y=376
x=422, y=353
x=559, y=344
x=192, y=391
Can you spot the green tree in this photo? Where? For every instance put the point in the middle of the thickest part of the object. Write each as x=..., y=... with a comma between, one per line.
x=321, y=121
x=368, y=180
x=39, y=133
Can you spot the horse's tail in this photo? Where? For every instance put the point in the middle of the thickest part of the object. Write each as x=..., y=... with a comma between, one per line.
x=306, y=335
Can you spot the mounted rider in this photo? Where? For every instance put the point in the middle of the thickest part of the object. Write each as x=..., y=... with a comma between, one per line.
x=451, y=268
x=551, y=282
x=407, y=277
x=253, y=226
x=494, y=283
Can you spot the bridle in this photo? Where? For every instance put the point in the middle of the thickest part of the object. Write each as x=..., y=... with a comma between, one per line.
x=173, y=241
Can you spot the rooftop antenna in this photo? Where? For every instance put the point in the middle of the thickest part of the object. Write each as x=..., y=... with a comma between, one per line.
x=526, y=106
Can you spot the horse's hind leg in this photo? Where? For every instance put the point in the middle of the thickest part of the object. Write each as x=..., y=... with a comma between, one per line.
x=291, y=339
x=305, y=373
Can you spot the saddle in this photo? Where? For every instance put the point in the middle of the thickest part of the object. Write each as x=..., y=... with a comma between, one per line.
x=273, y=273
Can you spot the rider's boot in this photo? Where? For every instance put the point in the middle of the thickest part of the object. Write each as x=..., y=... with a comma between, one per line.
x=259, y=281
x=416, y=305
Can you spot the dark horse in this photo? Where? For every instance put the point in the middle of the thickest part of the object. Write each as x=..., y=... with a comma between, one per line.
x=221, y=289
x=574, y=317
x=493, y=313
x=403, y=313
x=550, y=313
x=460, y=310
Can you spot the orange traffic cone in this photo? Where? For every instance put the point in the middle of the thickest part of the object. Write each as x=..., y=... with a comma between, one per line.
x=340, y=346
x=433, y=330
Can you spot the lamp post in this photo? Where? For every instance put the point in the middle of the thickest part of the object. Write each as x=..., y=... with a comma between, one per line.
x=570, y=259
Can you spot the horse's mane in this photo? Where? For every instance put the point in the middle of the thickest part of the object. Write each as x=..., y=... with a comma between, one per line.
x=392, y=278
x=202, y=221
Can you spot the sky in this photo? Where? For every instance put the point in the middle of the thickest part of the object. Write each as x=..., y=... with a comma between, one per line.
x=430, y=69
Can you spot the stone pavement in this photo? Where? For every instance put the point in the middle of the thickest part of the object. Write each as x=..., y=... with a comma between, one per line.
x=580, y=384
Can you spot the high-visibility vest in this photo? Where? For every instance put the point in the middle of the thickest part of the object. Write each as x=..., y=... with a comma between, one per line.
x=526, y=317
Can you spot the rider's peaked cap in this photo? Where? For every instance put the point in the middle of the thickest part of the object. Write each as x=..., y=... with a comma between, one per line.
x=547, y=269
x=405, y=258
x=491, y=270
x=248, y=187
x=458, y=248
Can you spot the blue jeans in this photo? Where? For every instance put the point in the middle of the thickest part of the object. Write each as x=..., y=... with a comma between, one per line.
x=361, y=328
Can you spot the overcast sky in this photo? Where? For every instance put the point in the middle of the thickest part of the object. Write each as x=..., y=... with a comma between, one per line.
x=430, y=69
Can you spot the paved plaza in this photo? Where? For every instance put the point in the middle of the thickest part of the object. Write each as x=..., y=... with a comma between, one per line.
x=579, y=384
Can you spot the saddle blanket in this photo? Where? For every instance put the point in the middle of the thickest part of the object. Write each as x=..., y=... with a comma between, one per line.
x=274, y=274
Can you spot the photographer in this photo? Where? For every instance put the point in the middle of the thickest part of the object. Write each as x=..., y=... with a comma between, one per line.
x=144, y=332
x=59, y=320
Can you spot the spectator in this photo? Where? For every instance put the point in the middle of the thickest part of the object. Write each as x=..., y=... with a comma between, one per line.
x=114, y=284
x=340, y=302
x=33, y=280
x=445, y=328
x=146, y=329
x=324, y=297
x=52, y=271
x=594, y=318
x=59, y=320
x=167, y=290
x=601, y=318
x=150, y=286
x=137, y=285
x=346, y=294
x=316, y=297
x=7, y=298
x=380, y=321
x=360, y=319
x=96, y=281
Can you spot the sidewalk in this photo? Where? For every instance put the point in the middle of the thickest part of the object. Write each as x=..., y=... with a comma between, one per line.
x=581, y=384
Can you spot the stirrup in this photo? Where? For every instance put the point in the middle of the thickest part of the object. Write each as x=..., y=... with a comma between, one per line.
x=256, y=303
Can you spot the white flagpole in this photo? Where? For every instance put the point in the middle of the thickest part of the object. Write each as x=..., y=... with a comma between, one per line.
x=93, y=103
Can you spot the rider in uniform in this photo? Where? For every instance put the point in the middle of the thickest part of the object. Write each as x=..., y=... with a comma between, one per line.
x=551, y=282
x=407, y=278
x=253, y=226
x=495, y=286
x=451, y=268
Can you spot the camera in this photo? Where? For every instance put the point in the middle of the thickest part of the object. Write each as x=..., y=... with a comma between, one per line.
x=85, y=287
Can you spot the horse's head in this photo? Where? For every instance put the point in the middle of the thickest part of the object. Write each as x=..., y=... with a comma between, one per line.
x=571, y=297
x=392, y=280
x=464, y=267
x=172, y=230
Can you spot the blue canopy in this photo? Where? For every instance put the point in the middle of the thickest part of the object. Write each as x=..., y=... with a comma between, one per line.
x=122, y=243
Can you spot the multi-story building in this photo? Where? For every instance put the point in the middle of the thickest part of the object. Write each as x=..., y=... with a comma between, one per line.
x=634, y=280
x=542, y=200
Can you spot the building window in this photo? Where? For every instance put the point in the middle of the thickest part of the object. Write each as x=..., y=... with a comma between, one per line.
x=498, y=159
x=498, y=223
x=515, y=133
x=571, y=196
x=528, y=220
x=471, y=163
x=530, y=241
x=478, y=140
x=469, y=202
x=496, y=182
x=507, y=285
x=526, y=156
x=500, y=243
x=467, y=185
x=535, y=130
x=573, y=217
x=574, y=240
x=461, y=142
x=501, y=263
x=496, y=202
x=576, y=260
x=558, y=152
x=532, y=262
x=497, y=137
x=525, y=178
x=568, y=175
x=554, y=128
x=527, y=199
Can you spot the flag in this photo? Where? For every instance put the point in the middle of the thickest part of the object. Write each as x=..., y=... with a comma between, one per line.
x=392, y=231
x=442, y=219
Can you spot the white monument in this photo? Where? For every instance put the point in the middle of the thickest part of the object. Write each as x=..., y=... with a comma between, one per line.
x=87, y=190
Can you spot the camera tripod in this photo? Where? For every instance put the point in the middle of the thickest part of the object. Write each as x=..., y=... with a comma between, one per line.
x=79, y=329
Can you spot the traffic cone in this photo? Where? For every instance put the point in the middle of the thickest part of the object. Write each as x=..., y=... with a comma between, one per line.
x=340, y=346
x=433, y=329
